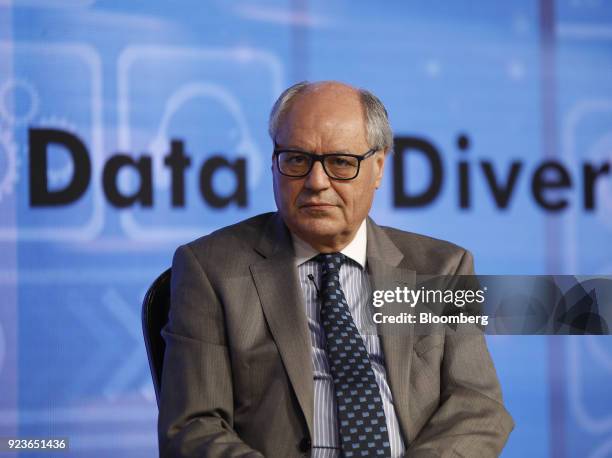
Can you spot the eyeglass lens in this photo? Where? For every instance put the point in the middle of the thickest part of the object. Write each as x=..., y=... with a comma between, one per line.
x=298, y=164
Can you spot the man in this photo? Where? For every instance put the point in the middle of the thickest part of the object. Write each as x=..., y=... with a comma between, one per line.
x=267, y=353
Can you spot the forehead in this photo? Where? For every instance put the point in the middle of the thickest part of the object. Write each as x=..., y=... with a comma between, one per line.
x=324, y=120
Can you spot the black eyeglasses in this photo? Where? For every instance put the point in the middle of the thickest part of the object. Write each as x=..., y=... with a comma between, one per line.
x=339, y=166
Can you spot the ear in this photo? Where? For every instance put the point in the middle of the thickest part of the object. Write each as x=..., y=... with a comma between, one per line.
x=379, y=167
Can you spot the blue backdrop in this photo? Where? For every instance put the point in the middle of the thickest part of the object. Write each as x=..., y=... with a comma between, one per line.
x=523, y=82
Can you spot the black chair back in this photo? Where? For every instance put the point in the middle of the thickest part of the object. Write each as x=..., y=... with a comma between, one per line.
x=155, y=308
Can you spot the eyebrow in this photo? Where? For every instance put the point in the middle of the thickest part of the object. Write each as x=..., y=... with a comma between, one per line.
x=303, y=150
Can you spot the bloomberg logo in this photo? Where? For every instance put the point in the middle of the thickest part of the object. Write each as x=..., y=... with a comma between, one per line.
x=550, y=181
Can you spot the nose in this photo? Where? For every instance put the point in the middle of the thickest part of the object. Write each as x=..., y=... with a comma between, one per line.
x=317, y=179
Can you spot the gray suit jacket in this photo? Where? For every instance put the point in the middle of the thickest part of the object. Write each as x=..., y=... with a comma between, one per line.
x=237, y=378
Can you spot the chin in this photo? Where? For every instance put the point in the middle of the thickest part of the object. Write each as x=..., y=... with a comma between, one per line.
x=318, y=227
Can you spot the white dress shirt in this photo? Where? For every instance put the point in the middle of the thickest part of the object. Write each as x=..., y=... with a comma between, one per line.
x=357, y=290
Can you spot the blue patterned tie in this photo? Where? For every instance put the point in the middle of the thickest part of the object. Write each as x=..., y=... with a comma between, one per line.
x=361, y=419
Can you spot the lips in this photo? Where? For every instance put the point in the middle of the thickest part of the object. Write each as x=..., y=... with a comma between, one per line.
x=316, y=205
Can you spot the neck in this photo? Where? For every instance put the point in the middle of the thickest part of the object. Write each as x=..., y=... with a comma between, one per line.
x=327, y=246
x=331, y=244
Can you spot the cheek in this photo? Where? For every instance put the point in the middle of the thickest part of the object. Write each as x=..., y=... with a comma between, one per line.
x=286, y=192
x=360, y=200
x=351, y=197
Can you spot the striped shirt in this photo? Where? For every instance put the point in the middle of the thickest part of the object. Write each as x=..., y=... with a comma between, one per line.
x=357, y=290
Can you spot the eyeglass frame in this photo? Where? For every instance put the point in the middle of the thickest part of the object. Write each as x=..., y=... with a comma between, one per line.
x=321, y=158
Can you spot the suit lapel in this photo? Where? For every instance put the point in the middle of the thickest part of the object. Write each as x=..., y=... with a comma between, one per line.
x=383, y=261
x=280, y=294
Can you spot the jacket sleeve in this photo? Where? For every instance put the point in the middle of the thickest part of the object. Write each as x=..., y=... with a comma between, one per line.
x=196, y=402
x=471, y=420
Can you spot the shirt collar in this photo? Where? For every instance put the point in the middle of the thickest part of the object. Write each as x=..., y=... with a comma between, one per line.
x=356, y=250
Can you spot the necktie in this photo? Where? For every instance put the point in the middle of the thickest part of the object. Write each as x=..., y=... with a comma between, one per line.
x=361, y=419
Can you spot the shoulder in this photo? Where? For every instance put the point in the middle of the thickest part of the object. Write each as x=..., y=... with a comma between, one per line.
x=428, y=255
x=418, y=243
x=246, y=231
x=231, y=242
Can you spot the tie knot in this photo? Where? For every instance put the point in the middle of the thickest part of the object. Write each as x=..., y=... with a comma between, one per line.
x=330, y=262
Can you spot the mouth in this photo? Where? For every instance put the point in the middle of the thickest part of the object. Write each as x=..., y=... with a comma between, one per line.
x=316, y=205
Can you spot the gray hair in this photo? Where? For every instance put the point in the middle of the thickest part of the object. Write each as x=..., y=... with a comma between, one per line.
x=378, y=129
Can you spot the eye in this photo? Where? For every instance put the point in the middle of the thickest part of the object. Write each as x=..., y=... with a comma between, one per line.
x=295, y=159
x=341, y=161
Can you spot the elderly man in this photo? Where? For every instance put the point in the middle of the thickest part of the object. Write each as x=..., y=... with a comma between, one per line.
x=267, y=353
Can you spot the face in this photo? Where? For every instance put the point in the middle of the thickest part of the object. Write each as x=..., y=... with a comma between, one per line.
x=324, y=212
